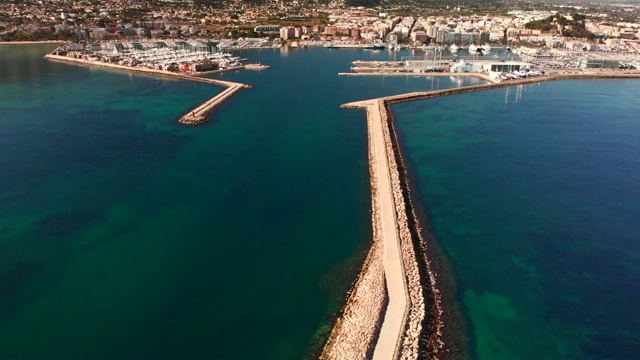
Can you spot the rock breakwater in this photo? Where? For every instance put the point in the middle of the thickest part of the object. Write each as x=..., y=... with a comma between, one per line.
x=200, y=115
x=401, y=341
x=355, y=333
x=421, y=334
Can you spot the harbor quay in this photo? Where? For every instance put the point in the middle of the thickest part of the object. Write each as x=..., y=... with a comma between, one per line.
x=488, y=74
x=492, y=70
x=397, y=275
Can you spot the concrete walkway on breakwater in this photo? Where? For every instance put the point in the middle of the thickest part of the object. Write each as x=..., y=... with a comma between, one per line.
x=196, y=116
x=395, y=318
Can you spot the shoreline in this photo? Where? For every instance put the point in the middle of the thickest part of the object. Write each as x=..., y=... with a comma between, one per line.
x=436, y=339
x=199, y=115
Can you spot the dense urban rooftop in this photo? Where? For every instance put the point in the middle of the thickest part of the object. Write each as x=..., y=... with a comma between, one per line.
x=412, y=23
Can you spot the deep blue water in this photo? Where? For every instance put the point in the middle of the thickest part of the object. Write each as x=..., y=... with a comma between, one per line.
x=125, y=235
x=534, y=194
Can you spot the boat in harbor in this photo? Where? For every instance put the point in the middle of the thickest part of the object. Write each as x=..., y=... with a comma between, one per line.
x=431, y=47
x=453, y=48
x=375, y=46
x=473, y=48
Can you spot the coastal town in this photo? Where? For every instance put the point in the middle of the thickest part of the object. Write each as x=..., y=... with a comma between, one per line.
x=613, y=28
x=567, y=37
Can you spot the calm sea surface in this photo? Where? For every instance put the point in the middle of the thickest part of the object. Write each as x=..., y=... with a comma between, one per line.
x=534, y=194
x=125, y=235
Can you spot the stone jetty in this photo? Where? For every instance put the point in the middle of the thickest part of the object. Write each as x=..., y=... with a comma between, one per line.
x=197, y=116
x=200, y=114
x=392, y=254
x=394, y=310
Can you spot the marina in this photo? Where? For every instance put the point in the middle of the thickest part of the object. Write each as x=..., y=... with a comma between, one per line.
x=490, y=69
x=169, y=55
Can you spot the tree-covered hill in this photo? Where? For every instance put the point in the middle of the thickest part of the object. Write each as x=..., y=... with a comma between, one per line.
x=573, y=27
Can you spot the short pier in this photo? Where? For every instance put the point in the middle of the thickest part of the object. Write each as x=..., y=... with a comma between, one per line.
x=256, y=67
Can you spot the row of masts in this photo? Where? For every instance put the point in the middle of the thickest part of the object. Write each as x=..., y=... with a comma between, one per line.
x=164, y=53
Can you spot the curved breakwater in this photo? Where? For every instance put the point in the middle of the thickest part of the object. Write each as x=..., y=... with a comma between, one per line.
x=421, y=333
x=198, y=115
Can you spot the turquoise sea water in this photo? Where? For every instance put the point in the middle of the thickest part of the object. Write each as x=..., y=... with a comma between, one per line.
x=534, y=194
x=125, y=235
